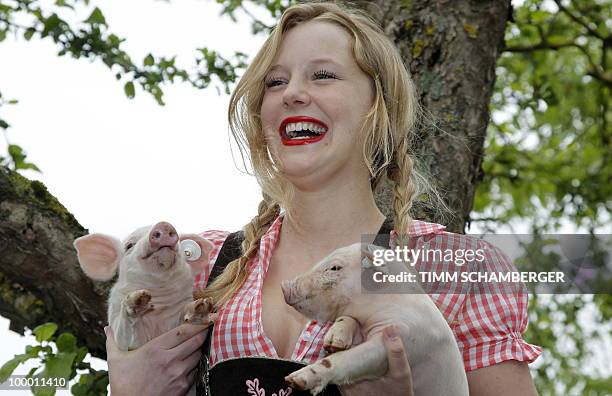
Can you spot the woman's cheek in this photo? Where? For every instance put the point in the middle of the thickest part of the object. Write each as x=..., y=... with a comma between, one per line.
x=271, y=136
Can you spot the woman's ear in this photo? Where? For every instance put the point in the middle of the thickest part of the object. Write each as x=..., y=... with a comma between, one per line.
x=199, y=264
x=99, y=255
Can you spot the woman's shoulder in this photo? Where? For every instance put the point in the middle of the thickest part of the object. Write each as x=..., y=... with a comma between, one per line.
x=487, y=321
x=436, y=236
x=217, y=238
x=421, y=228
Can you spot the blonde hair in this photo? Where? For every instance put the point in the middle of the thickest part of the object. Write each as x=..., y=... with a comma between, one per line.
x=388, y=127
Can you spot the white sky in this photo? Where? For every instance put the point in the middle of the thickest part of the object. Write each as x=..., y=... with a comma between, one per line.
x=118, y=164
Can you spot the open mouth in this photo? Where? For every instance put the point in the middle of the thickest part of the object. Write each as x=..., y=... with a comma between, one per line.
x=296, y=131
x=297, y=302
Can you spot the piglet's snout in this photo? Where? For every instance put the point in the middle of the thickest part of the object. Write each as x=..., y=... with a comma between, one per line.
x=289, y=292
x=163, y=235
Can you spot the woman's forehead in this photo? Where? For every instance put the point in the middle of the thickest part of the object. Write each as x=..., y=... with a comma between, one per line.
x=317, y=41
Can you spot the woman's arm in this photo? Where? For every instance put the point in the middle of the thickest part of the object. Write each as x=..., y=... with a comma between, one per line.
x=163, y=366
x=503, y=379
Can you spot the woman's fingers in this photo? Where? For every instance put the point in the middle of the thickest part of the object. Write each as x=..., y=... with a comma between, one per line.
x=179, y=335
x=396, y=354
x=190, y=346
x=192, y=360
x=191, y=377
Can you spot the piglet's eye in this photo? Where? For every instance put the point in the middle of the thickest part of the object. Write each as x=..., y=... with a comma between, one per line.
x=336, y=268
x=129, y=245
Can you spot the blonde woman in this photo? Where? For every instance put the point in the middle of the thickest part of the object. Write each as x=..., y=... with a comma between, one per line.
x=333, y=74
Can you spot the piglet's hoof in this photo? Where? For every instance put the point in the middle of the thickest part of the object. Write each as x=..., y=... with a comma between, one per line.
x=138, y=302
x=308, y=378
x=335, y=341
x=197, y=312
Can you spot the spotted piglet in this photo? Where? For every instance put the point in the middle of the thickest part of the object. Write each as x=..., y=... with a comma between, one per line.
x=332, y=292
x=153, y=293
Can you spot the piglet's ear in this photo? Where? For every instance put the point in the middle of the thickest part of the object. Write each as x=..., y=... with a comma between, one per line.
x=99, y=255
x=201, y=263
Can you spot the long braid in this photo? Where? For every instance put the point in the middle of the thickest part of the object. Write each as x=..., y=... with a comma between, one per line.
x=400, y=172
x=236, y=272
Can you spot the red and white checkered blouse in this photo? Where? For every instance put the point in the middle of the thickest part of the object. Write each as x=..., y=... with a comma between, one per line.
x=487, y=327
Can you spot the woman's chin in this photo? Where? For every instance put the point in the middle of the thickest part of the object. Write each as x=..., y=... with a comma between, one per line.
x=299, y=165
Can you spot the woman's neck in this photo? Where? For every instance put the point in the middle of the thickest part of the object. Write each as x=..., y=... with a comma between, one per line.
x=333, y=216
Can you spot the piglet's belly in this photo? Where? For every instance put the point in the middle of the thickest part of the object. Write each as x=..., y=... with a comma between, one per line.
x=157, y=322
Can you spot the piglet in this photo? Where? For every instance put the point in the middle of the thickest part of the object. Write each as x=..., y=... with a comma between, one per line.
x=153, y=293
x=331, y=292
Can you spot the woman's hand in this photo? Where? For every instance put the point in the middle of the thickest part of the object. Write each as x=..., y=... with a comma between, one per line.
x=397, y=380
x=166, y=365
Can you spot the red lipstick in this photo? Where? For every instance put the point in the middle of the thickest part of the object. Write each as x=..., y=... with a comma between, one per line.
x=287, y=141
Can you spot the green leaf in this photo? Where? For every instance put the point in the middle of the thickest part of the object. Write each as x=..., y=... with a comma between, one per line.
x=27, y=165
x=53, y=25
x=93, y=384
x=16, y=153
x=4, y=124
x=45, y=332
x=18, y=156
x=96, y=18
x=7, y=369
x=148, y=60
x=129, y=89
x=29, y=33
x=81, y=354
x=62, y=3
x=56, y=366
x=33, y=350
x=66, y=342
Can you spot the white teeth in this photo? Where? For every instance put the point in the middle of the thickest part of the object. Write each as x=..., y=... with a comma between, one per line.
x=292, y=128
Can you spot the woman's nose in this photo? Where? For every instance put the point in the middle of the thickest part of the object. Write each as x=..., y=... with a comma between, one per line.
x=296, y=94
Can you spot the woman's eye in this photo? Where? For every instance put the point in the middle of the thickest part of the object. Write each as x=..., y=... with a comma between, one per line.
x=324, y=74
x=273, y=82
x=129, y=245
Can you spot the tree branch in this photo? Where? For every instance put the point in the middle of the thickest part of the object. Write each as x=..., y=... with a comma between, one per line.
x=579, y=21
x=595, y=72
x=540, y=46
x=254, y=19
x=40, y=278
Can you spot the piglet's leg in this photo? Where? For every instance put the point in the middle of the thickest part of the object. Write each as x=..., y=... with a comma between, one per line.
x=137, y=303
x=133, y=306
x=340, y=335
x=123, y=328
x=364, y=361
x=197, y=312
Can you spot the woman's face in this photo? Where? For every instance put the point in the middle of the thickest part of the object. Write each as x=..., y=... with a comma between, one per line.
x=314, y=105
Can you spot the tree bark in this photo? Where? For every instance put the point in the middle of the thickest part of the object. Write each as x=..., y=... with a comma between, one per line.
x=450, y=47
x=40, y=278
